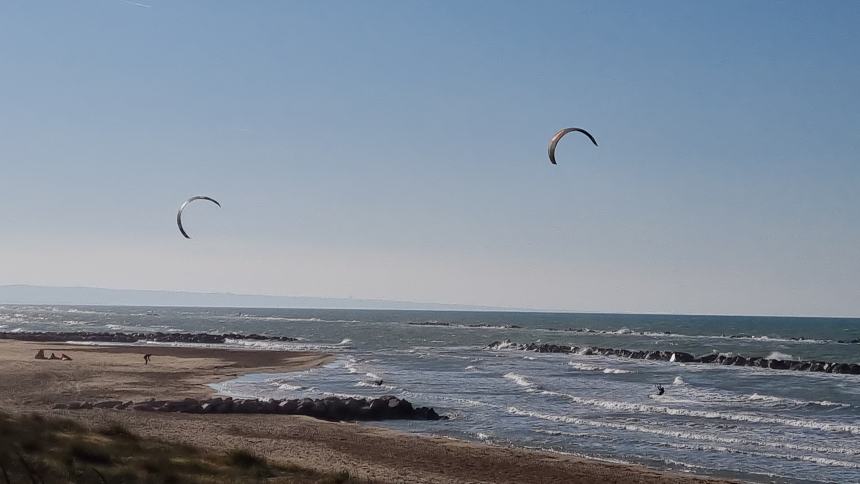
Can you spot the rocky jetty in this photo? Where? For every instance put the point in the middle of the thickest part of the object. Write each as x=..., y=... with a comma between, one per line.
x=459, y=325
x=681, y=357
x=159, y=337
x=329, y=408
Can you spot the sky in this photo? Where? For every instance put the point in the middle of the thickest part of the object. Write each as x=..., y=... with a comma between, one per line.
x=397, y=150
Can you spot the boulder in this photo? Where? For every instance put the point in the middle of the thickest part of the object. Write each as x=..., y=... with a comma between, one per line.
x=709, y=358
x=398, y=408
x=288, y=407
x=189, y=405
x=319, y=409
x=271, y=406
x=336, y=409
x=107, y=404
x=680, y=357
x=377, y=408
x=424, y=413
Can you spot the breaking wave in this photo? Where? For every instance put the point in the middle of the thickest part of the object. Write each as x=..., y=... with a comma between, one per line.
x=641, y=408
x=676, y=434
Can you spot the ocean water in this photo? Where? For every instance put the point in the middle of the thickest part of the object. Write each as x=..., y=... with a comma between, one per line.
x=755, y=424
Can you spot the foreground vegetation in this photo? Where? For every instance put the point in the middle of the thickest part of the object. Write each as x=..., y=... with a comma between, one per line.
x=41, y=450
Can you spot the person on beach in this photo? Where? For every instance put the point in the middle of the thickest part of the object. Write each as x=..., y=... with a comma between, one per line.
x=40, y=355
x=660, y=389
x=65, y=357
x=146, y=358
x=53, y=357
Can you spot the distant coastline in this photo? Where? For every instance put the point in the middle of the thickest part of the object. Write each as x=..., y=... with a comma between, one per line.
x=94, y=296
x=27, y=294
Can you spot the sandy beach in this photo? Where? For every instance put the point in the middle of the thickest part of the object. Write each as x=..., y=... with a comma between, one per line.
x=118, y=372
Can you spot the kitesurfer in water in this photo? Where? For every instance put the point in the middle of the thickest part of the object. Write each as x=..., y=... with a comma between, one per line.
x=660, y=389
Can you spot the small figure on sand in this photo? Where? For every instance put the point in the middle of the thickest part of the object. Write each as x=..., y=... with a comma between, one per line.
x=54, y=357
x=660, y=389
x=146, y=358
x=65, y=357
x=40, y=355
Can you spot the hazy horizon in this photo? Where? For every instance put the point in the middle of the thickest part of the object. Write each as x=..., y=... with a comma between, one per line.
x=72, y=296
x=397, y=151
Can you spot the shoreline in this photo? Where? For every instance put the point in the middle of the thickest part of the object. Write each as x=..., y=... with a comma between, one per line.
x=366, y=452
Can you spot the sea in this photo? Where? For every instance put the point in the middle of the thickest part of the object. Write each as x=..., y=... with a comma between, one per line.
x=753, y=424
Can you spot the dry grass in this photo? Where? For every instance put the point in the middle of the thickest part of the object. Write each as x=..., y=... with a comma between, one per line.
x=39, y=450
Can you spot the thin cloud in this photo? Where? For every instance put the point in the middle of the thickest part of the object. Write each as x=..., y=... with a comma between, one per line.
x=137, y=4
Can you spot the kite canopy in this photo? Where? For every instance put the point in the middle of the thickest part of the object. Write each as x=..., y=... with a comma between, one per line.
x=557, y=137
x=185, y=204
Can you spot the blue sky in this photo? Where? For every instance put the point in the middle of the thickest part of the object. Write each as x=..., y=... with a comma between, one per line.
x=397, y=150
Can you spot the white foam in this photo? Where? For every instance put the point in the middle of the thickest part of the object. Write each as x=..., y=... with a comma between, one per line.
x=519, y=380
x=505, y=345
x=776, y=355
x=350, y=365
x=608, y=371
x=297, y=320
x=678, y=381
x=444, y=398
x=733, y=416
x=281, y=345
x=824, y=461
x=660, y=334
x=374, y=385
x=715, y=397
x=676, y=434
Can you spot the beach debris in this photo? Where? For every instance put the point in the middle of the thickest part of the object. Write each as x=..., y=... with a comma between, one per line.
x=553, y=142
x=330, y=408
x=681, y=357
x=185, y=204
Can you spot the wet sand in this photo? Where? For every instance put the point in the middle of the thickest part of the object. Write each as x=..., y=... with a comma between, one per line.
x=118, y=373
